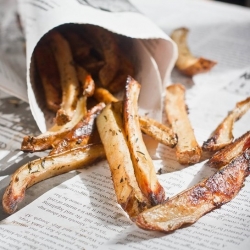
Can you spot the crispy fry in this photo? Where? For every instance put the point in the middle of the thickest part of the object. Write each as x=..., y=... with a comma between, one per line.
x=103, y=95
x=49, y=75
x=158, y=131
x=128, y=193
x=188, y=206
x=56, y=133
x=152, y=128
x=46, y=167
x=187, y=149
x=225, y=155
x=186, y=62
x=81, y=134
x=69, y=82
x=223, y=134
x=142, y=162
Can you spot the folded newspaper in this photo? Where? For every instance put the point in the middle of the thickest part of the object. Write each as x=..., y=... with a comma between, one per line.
x=151, y=50
x=80, y=210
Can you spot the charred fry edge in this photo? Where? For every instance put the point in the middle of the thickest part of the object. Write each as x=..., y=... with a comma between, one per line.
x=188, y=150
x=46, y=140
x=223, y=134
x=46, y=167
x=81, y=133
x=225, y=155
x=142, y=162
x=128, y=193
x=188, y=206
x=186, y=62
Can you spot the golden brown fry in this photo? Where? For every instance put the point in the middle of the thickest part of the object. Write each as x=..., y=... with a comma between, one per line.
x=69, y=82
x=142, y=162
x=56, y=133
x=223, y=134
x=128, y=193
x=81, y=134
x=103, y=95
x=225, y=155
x=152, y=128
x=46, y=167
x=188, y=206
x=187, y=149
x=158, y=131
x=186, y=62
x=49, y=75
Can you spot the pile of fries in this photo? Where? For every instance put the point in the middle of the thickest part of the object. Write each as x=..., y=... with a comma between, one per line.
x=80, y=75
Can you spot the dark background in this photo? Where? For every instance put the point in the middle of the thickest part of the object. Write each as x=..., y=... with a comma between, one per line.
x=239, y=2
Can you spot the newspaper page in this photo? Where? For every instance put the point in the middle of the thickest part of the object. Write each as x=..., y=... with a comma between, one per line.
x=115, y=16
x=82, y=213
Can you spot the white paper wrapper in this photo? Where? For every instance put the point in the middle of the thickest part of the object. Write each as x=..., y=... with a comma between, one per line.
x=155, y=52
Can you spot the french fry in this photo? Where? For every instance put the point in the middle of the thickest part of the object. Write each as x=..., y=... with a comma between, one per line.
x=81, y=134
x=158, y=131
x=187, y=207
x=186, y=62
x=103, y=95
x=223, y=134
x=56, y=133
x=49, y=75
x=225, y=155
x=142, y=162
x=128, y=193
x=69, y=82
x=152, y=128
x=46, y=167
x=188, y=150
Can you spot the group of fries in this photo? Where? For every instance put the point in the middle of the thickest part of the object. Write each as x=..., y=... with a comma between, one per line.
x=80, y=72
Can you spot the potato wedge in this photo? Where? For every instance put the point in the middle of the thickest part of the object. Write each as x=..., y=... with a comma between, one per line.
x=81, y=134
x=152, y=128
x=225, y=155
x=142, y=162
x=46, y=167
x=158, y=131
x=223, y=134
x=188, y=206
x=69, y=82
x=186, y=62
x=188, y=150
x=56, y=133
x=128, y=193
x=103, y=95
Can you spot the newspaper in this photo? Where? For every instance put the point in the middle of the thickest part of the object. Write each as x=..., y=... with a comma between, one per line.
x=115, y=16
x=79, y=210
